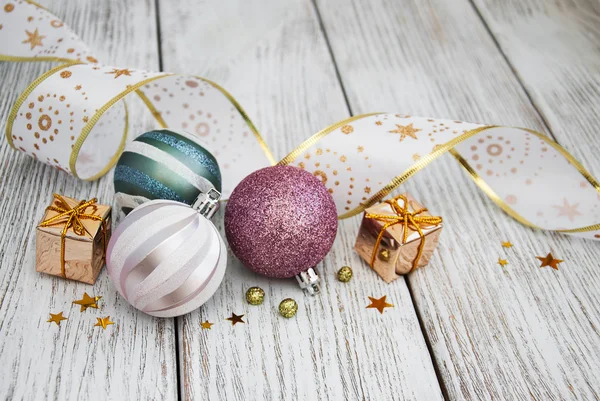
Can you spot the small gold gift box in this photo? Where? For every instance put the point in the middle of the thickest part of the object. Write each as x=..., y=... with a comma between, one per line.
x=71, y=239
x=397, y=236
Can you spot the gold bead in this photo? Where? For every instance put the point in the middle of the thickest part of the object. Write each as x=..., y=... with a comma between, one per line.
x=344, y=274
x=384, y=255
x=288, y=308
x=255, y=295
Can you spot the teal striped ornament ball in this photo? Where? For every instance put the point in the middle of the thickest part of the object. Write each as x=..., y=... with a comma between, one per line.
x=163, y=164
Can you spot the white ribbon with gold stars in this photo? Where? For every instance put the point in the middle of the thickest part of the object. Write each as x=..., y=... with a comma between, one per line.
x=528, y=175
x=74, y=117
x=70, y=118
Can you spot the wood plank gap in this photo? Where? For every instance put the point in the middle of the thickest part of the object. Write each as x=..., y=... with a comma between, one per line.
x=178, y=360
x=434, y=361
x=333, y=60
x=514, y=71
x=158, y=35
x=178, y=357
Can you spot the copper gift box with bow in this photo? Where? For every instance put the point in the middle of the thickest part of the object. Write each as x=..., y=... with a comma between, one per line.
x=397, y=236
x=71, y=239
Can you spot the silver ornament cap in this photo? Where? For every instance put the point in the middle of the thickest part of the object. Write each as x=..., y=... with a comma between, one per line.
x=207, y=203
x=309, y=281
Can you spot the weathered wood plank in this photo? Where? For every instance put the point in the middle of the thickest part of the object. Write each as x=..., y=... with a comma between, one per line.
x=135, y=358
x=553, y=47
x=273, y=58
x=518, y=332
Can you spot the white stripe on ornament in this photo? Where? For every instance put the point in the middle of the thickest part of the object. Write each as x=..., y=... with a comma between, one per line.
x=171, y=162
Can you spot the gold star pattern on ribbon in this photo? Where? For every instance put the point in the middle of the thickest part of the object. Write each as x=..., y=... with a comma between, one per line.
x=119, y=72
x=87, y=302
x=56, y=318
x=379, y=304
x=234, y=319
x=405, y=130
x=549, y=260
x=34, y=39
x=502, y=262
x=206, y=325
x=507, y=244
x=103, y=322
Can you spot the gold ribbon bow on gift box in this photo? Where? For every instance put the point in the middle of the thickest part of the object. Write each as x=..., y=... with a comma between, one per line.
x=70, y=218
x=409, y=220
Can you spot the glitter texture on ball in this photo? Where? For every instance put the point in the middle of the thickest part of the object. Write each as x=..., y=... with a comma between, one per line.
x=280, y=221
x=344, y=274
x=255, y=296
x=163, y=164
x=288, y=308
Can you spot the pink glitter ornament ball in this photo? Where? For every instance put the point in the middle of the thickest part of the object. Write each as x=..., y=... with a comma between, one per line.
x=280, y=221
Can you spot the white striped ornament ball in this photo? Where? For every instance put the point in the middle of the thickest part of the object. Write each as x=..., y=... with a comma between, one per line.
x=166, y=259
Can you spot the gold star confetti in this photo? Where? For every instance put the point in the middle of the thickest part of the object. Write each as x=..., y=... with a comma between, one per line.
x=379, y=304
x=549, y=260
x=87, y=302
x=405, y=130
x=570, y=211
x=206, y=325
x=502, y=262
x=360, y=149
x=507, y=244
x=416, y=156
x=234, y=319
x=378, y=122
x=119, y=72
x=103, y=322
x=56, y=318
x=34, y=38
x=77, y=87
x=367, y=190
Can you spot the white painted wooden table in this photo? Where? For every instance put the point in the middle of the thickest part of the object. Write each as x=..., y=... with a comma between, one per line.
x=461, y=328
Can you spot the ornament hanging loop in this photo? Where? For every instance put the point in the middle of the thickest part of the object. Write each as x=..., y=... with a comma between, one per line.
x=309, y=281
x=207, y=203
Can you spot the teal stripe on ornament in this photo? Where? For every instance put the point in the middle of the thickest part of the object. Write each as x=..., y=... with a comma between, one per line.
x=136, y=183
x=160, y=173
x=193, y=164
x=192, y=151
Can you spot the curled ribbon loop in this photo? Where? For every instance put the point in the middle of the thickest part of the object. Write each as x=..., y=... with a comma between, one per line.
x=70, y=218
x=409, y=220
